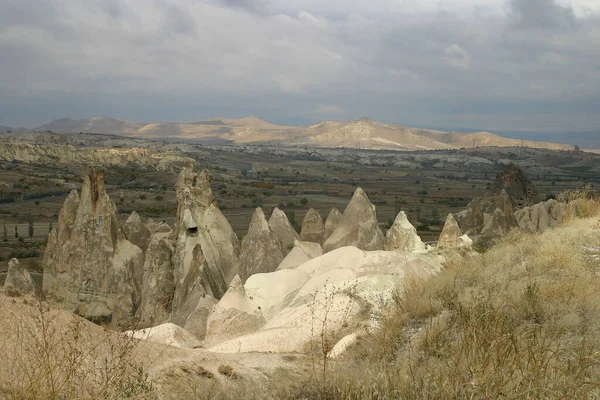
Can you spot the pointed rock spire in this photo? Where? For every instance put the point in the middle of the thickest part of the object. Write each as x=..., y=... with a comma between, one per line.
x=403, y=236
x=261, y=250
x=358, y=226
x=313, y=228
x=281, y=227
x=450, y=234
x=332, y=221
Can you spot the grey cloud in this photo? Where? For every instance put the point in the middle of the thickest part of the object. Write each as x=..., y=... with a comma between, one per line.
x=541, y=14
x=183, y=60
x=257, y=6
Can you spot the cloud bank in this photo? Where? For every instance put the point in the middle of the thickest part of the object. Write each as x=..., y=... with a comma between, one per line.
x=519, y=64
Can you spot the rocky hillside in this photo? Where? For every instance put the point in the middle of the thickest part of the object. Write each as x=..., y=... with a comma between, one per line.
x=362, y=133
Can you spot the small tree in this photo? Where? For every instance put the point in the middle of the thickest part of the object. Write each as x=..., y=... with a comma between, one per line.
x=16, y=232
x=5, y=234
x=31, y=229
x=50, y=227
x=304, y=201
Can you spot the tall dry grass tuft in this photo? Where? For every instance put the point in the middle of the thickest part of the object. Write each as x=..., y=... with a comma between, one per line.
x=48, y=354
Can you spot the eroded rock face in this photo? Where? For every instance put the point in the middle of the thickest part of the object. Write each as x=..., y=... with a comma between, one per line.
x=261, y=250
x=517, y=185
x=158, y=284
x=88, y=262
x=136, y=232
x=301, y=253
x=313, y=227
x=205, y=250
x=357, y=227
x=542, y=216
x=18, y=280
x=450, y=234
x=332, y=221
x=234, y=315
x=281, y=227
x=403, y=236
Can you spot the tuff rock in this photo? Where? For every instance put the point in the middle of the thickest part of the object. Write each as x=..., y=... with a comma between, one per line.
x=357, y=227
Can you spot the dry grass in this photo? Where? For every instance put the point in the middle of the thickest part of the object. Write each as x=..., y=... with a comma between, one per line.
x=48, y=354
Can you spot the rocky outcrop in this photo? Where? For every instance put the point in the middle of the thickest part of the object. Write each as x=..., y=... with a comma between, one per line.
x=18, y=281
x=233, y=316
x=342, y=288
x=205, y=250
x=403, y=236
x=517, y=185
x=261, y=250
x=200, y=222
x=357, y=227
x=158, y=285
x=313, y=228
x=332, y=221
x=450, y=234
x=281, y=227
x=488, y=215
x=301, y=253
x=136, y=232
x=88, y=263
x=541, y=216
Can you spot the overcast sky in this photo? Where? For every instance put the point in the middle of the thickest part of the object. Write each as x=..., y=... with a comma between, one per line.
x=481, y=64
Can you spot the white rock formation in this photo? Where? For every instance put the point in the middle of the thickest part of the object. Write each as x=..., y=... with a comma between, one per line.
x=450, y=234
x=167, y=333
x=358, y=226
x=18, y=280
x=321, y=295
x=332, y=221
x=301, y=253
x=541, y=216
x=403, y=236
x=313, y=227
x=283, y=230
x=205, y=250
x=261, y=249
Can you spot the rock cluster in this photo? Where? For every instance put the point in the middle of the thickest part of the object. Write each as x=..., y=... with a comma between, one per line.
x=89, y=265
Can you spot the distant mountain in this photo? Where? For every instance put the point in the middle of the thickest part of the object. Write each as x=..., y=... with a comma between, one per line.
x=362, y=133
x=4, y=129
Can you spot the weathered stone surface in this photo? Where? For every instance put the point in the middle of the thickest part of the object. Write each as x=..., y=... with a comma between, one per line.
x=136, y=232
x=332, y=221
x=157, y=227
x=167, y=333
x=205, y=255
x=18, y=280
x=517, y=185
x=313, y=228
x=358, y=226
x=233, y=316
x=261, y=250
x=315, y=299
x=158, y=285
x=88, y=260
x=403, y=236
x=301, y=253
x=542, y=216
x=450, y=234
x=281, y=227
x=488, y=215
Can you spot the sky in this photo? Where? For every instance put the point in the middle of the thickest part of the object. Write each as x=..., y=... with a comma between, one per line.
x=523, y=65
